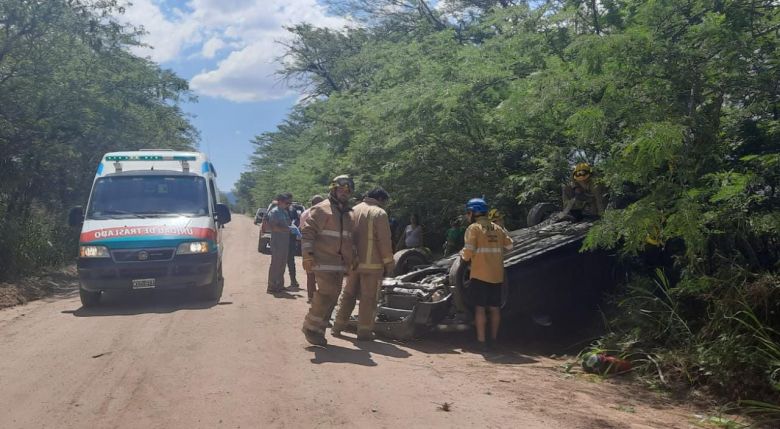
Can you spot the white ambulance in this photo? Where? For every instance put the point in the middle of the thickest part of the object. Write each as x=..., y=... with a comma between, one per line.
x=152, y=221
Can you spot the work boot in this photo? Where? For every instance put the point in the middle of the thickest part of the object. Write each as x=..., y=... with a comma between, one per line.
x=314, y=338
x=366, y=336
x=294, y=285
x=337, y=327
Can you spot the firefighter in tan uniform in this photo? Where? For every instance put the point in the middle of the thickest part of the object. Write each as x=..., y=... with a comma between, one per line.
x=485, y=245
x=374, y=245
x=327, y=250
x=583, y=197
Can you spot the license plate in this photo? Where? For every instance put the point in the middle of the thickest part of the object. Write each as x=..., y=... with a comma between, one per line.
x=143, y=284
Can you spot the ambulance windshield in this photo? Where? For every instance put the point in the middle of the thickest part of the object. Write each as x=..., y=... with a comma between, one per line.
x=148, y=196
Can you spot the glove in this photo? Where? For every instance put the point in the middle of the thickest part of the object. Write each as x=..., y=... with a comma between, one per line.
x=308, y=265
x=295, y=231
x=389, y=268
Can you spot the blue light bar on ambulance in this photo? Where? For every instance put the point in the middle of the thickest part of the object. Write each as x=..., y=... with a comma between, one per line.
x=150, y=158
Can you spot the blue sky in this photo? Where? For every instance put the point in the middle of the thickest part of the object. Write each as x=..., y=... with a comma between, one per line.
x=228, y=51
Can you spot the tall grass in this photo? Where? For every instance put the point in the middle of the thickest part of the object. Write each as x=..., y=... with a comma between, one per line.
x=40, y=239
x=722, y=338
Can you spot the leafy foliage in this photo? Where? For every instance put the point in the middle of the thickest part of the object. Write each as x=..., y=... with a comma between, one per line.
x=69, y=92
x=677, y=104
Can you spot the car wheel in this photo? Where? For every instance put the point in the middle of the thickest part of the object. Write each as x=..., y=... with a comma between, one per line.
x=539, y=213
x=459, y=279
x=264, y=246
x=408, y=260
x=88, y=298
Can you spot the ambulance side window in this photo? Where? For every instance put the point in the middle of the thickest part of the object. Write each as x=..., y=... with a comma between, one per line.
x=213, y=199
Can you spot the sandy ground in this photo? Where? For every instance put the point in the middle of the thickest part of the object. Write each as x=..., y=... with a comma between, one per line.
x=168, y=361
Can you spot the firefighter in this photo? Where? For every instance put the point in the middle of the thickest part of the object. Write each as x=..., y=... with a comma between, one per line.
x=310, y=281
x=327, y=251
x=496, y=217
x=374, y=246
x=583, y=197
x=485, y=245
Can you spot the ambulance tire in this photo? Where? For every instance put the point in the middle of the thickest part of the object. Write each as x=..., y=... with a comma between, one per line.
x=89, y=299
x=213, y=292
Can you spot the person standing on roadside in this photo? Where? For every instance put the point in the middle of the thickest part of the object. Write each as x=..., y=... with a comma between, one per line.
x=485, y=245
x=294, y=210
x=375, y=257
x=412, y=236
x=327, y=251
x=311, y=285
x=454, y=237
x=279, y=224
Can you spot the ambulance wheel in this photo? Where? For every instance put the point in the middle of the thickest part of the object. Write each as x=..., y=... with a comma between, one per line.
x=213, y=292
x=89, y=299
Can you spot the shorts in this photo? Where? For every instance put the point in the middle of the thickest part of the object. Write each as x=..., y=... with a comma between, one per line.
x=484, y=294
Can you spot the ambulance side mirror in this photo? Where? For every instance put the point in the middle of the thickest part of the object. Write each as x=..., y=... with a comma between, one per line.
x=223, y=214
x=76, y=216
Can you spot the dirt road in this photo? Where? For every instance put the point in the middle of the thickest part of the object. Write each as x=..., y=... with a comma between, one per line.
x=164, y=361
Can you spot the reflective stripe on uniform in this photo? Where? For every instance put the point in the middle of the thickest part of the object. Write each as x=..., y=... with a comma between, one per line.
x=508, y=247
x=323, y=267
x=489, y=250
x=332, y=233
x=370, y=250
x=387, y=260
x=370, y=266
x=314, y=324
x=469, y=246
x=307, y=244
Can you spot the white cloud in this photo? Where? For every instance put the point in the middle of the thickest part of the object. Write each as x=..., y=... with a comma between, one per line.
x=245, y=75
x=212, y=46
x=166, y=36
x=241, y=32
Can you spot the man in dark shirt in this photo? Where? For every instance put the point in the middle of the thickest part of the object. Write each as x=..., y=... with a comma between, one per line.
x=278, y=220
x=294, y=210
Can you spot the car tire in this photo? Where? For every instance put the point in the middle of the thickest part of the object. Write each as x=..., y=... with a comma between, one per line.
x=264, y=245
x=459, y=277
x=407, y=260
x=540, y=212
x=88, y=298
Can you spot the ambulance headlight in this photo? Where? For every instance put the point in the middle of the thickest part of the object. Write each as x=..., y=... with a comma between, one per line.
x=193, y=247
x=93, y=252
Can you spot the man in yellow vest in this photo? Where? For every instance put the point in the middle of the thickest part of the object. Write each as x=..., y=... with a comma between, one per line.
x=372, y=239
x=327, y=251
x=485, y=245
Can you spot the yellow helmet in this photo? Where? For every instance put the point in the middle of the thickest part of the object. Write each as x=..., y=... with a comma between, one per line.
x=582, y=169
x=343, y=180
x=494, y=214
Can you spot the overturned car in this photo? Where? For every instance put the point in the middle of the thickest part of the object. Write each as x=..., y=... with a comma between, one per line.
x=547, y=278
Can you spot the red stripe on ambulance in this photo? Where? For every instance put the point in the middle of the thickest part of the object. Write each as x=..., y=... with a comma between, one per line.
x=143, y=231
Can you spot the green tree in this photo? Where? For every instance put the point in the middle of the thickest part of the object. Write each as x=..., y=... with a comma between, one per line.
x=69, y=92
